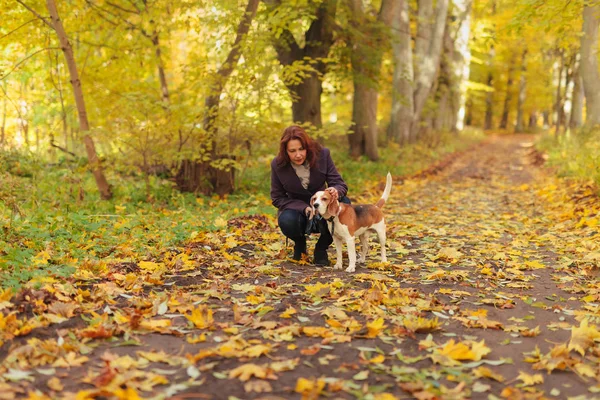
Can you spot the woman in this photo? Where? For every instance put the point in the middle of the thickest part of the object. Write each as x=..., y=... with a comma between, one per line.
x=302, y=168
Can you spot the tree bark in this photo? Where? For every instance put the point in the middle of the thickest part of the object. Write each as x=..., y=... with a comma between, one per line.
x=508, y=96
x=366, y=64
x=558, y=106
x=101, y=182
x=589, y=64
x=489, y=98
x=427, y=57
x=162, y=76
x=576, y=120
x=402, y=95
x=306, y=95
x=519, y=127
x=462, y=58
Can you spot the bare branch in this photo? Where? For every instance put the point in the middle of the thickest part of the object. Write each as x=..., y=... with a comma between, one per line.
x=16, y=29
x=45, y=20
x=122, y=8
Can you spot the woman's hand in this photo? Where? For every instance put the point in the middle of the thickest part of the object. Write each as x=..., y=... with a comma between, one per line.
x=309, y=212
x=333, y=192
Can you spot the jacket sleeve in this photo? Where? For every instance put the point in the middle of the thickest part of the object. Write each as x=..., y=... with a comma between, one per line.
x=334, y=179
x=279, y=197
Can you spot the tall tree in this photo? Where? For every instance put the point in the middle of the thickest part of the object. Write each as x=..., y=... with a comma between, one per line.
x=367, y=54
x=522, y=91
x=508, y=95
x=306, y=89
x=576, y=119
x=402, y=81
x=589, y=63
x=462, y=57
x=205, y=176
x=428, y=47
x=56, y=24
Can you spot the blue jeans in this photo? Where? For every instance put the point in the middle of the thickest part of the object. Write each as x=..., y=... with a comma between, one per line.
x=293, y=225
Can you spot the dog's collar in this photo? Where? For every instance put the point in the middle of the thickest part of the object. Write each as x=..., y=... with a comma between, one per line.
x=331, y=219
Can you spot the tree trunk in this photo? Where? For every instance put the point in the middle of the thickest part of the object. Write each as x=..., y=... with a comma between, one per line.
x=366, y=64
x=576, y=120
x=508, y=96
x=589, y=64
x=522, y=91
x=204, y=176
x=402, y=94
x=3, y=125
x=533, y=120
x=427, y=58
x=101, y=182
x=162, y=76
x=462, y=58
x=559, y=99
x=306, y=95
x=489, y=102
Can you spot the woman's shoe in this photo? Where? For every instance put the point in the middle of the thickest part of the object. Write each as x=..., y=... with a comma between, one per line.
x=299, y=248
x=321, y=258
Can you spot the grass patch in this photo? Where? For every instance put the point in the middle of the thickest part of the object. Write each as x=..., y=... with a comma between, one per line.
x=52, y=220
x=574, y=155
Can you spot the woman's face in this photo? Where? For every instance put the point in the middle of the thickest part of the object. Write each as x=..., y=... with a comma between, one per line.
x=296, y=152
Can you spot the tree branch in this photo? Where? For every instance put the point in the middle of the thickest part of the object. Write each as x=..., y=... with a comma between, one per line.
x=27, y=58
x=36, y=14
x=16, y=29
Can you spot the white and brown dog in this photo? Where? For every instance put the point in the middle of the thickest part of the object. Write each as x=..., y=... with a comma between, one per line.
x=347, y=221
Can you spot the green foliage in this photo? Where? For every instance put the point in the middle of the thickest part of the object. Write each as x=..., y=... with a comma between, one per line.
x=576, y=154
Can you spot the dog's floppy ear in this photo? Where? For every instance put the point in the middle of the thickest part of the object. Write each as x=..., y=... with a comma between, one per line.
x=312, y=201
x=334, y=207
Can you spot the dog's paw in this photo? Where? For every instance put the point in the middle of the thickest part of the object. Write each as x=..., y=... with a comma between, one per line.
x=350, y=269
x=384, y=259
x=361, y=260
x=337, y=266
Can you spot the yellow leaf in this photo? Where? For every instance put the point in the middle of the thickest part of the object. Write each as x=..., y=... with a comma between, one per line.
x=247, y=371
x=288, y=312
x=485, y=372
x=151, y=266
x=450, y=254
x=196, y=339
x=377, y=359
x=583, y=337
x=310, y=388
x=127, y=394
x=252, y=299
x=529, y=380
x=374, y=327
x=55, y=384
x=220, y=222
x=315, y=331
x=201, y=317
x=153, y=324
x=384, y=396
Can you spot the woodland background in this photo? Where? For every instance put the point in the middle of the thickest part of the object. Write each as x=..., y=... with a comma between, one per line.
x=176, y=107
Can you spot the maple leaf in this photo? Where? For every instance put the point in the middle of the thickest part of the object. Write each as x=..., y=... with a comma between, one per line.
x=247, y=371
x=258, y=387
x=450, y=254
x=201, y=317
x=583, y=337
x=310, y=388
x=453, y=352
x=420, y=324
x=375, y=327
x=485, y=372
x=530, y=380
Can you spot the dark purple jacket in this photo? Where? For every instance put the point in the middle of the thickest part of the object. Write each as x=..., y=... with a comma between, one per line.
x=287, y=192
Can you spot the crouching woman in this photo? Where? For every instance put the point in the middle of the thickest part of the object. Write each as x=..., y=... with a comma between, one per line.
x=302, y=168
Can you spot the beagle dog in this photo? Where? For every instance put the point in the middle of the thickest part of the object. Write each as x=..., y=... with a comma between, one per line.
x=346, y=221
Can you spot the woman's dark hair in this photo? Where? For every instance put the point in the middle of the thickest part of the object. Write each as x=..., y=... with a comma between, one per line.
x=294, y=132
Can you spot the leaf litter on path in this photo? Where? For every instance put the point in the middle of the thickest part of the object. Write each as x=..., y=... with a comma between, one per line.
x=491, y=291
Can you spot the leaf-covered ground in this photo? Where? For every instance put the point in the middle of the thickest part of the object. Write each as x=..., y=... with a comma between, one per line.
x=491, y=291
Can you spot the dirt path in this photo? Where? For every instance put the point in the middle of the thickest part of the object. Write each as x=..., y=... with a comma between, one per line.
x=492, y=263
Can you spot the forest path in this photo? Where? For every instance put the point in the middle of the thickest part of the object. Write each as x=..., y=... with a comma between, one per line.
x=493, y=265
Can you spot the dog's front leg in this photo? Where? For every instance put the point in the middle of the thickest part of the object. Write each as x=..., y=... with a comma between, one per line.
x=338, y=252
x=364, y=248
x=351, y=254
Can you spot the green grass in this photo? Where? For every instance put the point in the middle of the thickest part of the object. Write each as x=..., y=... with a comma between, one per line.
x=52, y=220
x=575, y=155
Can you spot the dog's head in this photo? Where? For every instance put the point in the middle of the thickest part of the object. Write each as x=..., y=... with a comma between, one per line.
x=325, y=203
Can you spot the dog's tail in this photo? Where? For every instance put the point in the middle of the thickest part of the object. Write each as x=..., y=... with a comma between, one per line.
x=386, y=192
